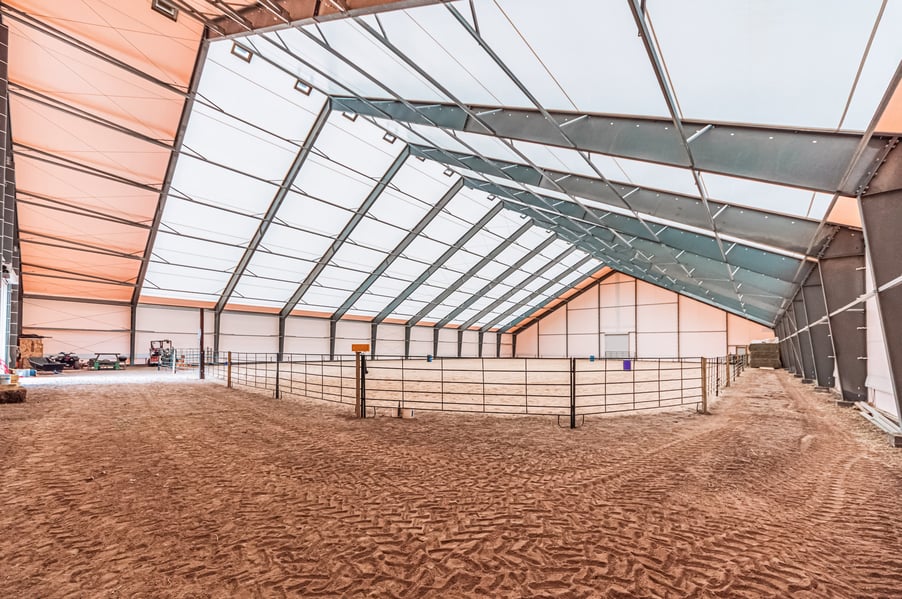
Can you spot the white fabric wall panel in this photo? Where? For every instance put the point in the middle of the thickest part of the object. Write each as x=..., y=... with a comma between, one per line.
x=179, y=325
x=552, y=346
x=447, y=343
x=507, y=346
x=390, y=340
x=555, y=322
x=710, y=345
x=246, y=332
x=879, y=381
x=585, y=301
x=528, y=343
x=470, y=346
x=657, y=345
x=78, y=327
x=583, y=321
x=650, y=294
x=420, y=341
x=743, y=332
x=306, y=335
x=618, y=319
x=657, y=318
x=618, y=293
x=349, y=332
x=583, y=346
x=696, y=316
x=489, y=345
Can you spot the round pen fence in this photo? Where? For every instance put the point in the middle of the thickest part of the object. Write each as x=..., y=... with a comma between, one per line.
x=512, y=386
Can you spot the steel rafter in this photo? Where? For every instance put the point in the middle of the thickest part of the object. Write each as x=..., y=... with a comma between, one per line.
x=819, y=328
x=282, y=47
x=770, y=155
x=345, y=233
x=438, y=263
x=435, y=302
x=696, y=261
x=776, y=232
x=499, y=279
x=517, y=320
x=268, y=15
x=509, y=294
x=399, y=249
x=275, y=205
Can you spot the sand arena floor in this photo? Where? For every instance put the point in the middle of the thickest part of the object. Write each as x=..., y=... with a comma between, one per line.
x=186, y=490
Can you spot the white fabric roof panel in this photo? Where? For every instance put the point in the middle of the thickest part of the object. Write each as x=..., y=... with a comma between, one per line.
x=775, y=66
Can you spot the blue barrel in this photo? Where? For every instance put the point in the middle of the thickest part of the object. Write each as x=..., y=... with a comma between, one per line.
x=627, y=364
x=429, y=358
x=591, y=357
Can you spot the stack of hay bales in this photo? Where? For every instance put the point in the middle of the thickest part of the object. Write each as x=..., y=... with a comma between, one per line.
x=30, y=347
x=764, y=355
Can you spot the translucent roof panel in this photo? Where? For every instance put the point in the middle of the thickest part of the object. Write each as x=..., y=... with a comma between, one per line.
x=775, y=63
x=256, y=93
x=564, y=71
x=878, y=69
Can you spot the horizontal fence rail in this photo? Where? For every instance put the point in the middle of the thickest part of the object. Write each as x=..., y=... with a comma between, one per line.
x=575, y=387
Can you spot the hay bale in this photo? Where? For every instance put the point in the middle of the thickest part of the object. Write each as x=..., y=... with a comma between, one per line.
x=16, y=395
x=764, y=355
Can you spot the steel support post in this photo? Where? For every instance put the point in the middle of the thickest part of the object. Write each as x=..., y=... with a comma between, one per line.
x=794, y=345
x=821, y=342
x=842, y=278
x=806, y=350
x=881, y=213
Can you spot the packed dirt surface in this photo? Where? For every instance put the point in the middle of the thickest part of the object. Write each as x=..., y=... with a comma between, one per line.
x=192, y=490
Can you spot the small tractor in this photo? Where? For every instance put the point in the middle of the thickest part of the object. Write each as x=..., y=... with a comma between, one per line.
x=160, y=353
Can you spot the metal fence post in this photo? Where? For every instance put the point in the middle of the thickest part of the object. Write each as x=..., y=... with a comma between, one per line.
x=572, y=393
x=729, y=366
x=363, y=385
x=229, y=370
x=278, y=390
x=704, y=385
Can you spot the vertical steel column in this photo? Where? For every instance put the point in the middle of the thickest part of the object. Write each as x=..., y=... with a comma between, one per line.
x=794, y=341
x=200, y=337
x=373, y=329
x=217, y=323
x=481, y=338
x=435, y=343
x=821, y=341
x=498, y=345
x=881, y=214
x=407, y=341
x=842, y=278
x=281, y=349
x=806, y=350
x=132, y=332
x=572, y=393
x=460, y=343
x=333, y=325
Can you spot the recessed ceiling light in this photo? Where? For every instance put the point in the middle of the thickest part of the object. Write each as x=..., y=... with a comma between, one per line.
x=241, y=52
x=351, y=116
x=448, y=172
x=389, y=138
x=421, y=158
x=166, y=8
x=303, y=87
